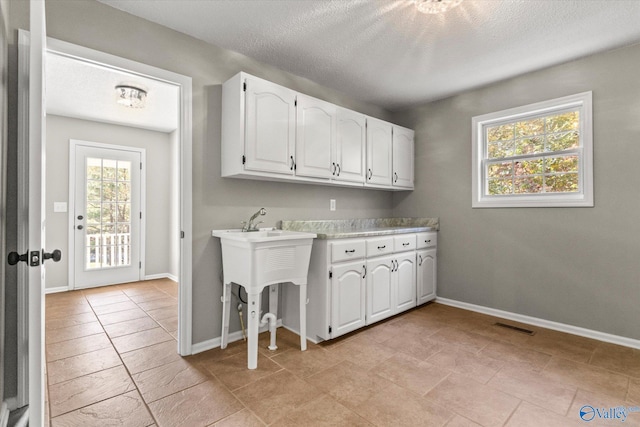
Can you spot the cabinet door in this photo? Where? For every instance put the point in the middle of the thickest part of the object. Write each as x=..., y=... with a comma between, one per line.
x=405, y=276
x=380, y=290
x=350, y=150
x=315, y=137
x=379, y=155
x=427, y=275
x=347, y=298
x=403, y=147
x=270, y=127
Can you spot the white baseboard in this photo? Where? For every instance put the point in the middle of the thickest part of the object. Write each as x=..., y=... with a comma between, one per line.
x=161, y=276
x=56, y=289
x=4, y=414
x=233, y=336
x=556, y=326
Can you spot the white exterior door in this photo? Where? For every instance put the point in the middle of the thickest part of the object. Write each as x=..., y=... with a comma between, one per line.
x=350, y=150
x=315, y=137
x=347, y=298
x=379, y=138
x=107, y=214
x=270, y=127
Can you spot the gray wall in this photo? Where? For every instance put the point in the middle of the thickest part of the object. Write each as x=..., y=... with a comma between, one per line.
x=217, y=202
x=577, y=266
x=159, y=258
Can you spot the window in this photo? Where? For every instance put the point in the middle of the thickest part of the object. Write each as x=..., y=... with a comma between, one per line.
x=534, y=156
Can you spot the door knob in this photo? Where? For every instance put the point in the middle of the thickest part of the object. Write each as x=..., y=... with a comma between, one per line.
x=56, y=255
x=80, y=217
x=15, y=257
x=80, y=227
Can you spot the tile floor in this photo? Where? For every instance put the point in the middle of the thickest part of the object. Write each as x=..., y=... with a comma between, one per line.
x=112, y=360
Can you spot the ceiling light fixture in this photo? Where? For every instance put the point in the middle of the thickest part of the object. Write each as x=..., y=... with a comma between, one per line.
x=130, y=96
x=436, y=6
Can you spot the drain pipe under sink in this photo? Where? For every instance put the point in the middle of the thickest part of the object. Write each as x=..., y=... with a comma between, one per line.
x=271, y=319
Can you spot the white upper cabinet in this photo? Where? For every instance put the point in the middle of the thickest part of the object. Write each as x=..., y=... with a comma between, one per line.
x=403, y=157
x=270, y=127
x=350, y=159
x=379, y=152
x=316, y=137
x=270, y=132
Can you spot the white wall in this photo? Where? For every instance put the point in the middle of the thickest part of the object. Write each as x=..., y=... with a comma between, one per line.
x=161, y=256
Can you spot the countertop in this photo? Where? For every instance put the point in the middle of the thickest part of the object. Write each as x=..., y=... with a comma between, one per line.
x=365, y=227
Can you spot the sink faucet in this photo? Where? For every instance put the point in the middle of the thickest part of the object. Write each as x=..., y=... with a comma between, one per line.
x=250, y=225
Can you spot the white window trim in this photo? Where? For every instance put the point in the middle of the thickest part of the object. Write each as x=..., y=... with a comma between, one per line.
x=583, y=101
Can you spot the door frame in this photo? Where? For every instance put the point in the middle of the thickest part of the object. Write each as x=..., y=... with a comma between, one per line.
x=184, y=133
x=185, y=141
x=73, y=144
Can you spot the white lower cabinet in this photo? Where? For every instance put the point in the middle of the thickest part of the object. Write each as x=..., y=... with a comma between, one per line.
x=347, y=297
x=360, y=281
x=427, y=274
x=380, y=289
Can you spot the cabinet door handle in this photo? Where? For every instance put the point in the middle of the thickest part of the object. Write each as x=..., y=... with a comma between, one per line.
x=293, y=164
x=349, y=252
x=420, y=263
x=428, y=241
x=382, y=247
x=333, y=172
x=338, y=165
x=394, y=266
x=370, y=173
x=395, y=175
x=364, y=268
x=406, y=244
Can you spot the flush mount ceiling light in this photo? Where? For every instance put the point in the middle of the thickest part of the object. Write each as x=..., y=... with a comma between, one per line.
x=131, y=96
x=436, y=6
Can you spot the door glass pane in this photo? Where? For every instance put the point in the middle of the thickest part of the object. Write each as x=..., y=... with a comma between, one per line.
x=108, y=210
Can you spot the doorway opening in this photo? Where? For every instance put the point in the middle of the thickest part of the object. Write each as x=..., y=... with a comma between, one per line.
x=30, y=364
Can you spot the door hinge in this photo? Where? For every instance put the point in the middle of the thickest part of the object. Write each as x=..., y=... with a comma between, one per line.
x=329, y=329
x=244, y=159
x=182, y=234
x=244, y=86
x=140, y=165
x=330, y=274
x=140, y=265
x=140, y=215
x=295, y=102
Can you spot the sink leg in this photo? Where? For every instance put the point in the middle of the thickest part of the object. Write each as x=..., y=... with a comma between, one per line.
x=226, y=306
x=273, y=299
x=303, y=317
x=252, y=333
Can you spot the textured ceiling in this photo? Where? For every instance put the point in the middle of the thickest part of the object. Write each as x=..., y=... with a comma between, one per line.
x=387, y=53
x=87, y=91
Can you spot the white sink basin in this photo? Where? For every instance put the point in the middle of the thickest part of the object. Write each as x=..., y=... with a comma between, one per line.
x=262, y=235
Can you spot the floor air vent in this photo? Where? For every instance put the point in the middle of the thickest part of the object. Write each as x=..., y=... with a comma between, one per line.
x=515, y=328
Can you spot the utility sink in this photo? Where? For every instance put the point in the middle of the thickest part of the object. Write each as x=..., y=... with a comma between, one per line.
x=260, y=258
x=257, y=259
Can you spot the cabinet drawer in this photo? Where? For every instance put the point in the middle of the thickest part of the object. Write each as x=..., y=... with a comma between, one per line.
x=427, y=240
x=379, y=246
x=404, y=242
x=351, y=249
